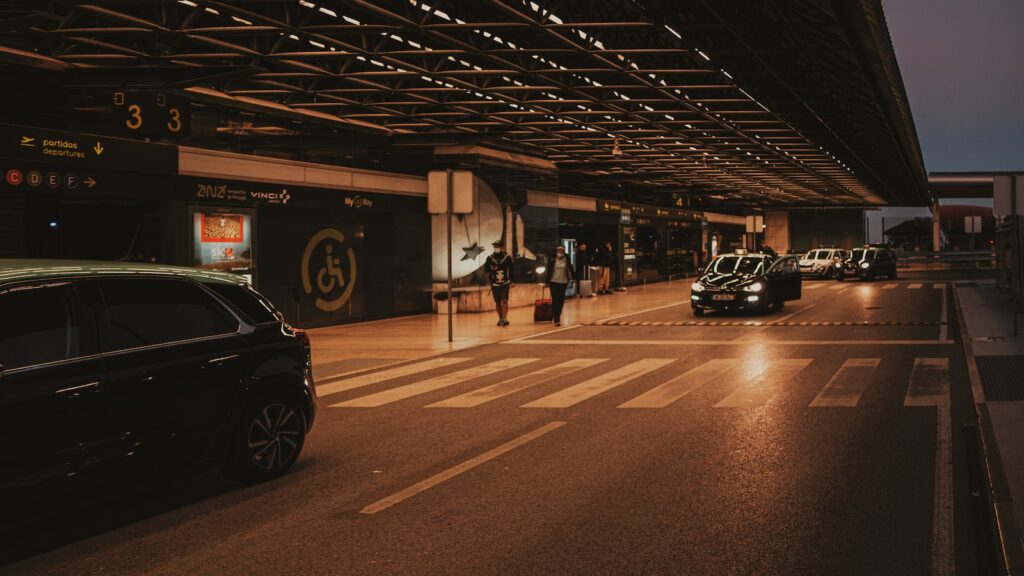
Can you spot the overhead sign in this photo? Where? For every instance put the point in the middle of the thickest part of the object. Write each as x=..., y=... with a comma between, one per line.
x=463, y=190
x=972, y=224
x=81, y=151
x=755, y=223
x=151, y=114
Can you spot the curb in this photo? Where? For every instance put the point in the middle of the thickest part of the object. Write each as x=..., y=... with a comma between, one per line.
x=999, y=489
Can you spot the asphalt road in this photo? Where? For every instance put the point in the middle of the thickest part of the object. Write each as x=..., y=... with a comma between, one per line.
x=791, y=443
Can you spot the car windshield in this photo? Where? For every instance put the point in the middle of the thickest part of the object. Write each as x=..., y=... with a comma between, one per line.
x=862, y=255
x=821, y=255
x=736, y=265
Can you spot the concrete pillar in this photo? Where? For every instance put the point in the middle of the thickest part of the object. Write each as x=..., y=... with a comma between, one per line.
x=776, y=232
x=936, y=245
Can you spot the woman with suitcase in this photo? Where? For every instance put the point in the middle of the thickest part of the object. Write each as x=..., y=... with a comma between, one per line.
x=559, y=273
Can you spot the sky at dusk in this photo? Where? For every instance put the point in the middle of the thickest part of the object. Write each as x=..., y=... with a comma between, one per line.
x=962, y=62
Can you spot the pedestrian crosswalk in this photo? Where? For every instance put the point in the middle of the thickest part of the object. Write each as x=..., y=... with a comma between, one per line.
x=839, y=286
x=735, y=383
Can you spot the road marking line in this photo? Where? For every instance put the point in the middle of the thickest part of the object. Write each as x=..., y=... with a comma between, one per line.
x=512, y=385
x=588, y=389
x=666, y=342
x=847, y=385
x=431, y=384
x=397, y=497
x=838, y=287
x=758, y=388
x=914, y=286
x=813, y=286
x=667, y=393
x=929, y=386
x=889, y=286
x=323, y=389
x=944, y=326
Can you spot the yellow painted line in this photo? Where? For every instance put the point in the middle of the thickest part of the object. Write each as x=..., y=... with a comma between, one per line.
x=757, y=390
x=667, y=393
x=847, y=385
x=588, y=389
x=666, y=342
x=513, y=385
x=397, y=497
x=431, y=384
x=384, y=375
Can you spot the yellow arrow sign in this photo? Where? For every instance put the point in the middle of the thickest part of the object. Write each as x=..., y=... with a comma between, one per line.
x=98, y=149
x=89, y=182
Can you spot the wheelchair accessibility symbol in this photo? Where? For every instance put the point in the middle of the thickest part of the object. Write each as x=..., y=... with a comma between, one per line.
x=326, y=271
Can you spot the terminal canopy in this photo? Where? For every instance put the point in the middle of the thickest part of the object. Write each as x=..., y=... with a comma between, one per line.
x=738, y=103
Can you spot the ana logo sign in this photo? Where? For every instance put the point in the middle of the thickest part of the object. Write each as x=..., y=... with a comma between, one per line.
x=329, y=268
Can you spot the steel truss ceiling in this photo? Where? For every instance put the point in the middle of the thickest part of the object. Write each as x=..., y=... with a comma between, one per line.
x=749, y=102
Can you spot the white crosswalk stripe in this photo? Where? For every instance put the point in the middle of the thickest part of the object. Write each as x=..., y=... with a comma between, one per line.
x=756, y=391
x=431, y=384
x=914, y=286
x=588, y=389
x=385, y=375
x=889, y=286
x=513, y=385
x=847, y=385
x=667, y=393
x=755, y=383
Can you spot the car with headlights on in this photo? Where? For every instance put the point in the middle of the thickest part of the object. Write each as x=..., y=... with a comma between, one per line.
x=822, y=262
x=746, y=282
x=868, y=263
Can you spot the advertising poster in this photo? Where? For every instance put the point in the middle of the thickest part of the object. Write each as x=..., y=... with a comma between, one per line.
x=222, y=240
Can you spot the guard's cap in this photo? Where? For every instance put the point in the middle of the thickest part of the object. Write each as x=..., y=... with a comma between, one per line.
x=498, y=243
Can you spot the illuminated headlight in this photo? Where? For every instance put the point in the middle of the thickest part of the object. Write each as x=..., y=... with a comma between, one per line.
x=865, y=265
x=697, y=287
x=694, y=297
x=753, y=298
x=755, y=287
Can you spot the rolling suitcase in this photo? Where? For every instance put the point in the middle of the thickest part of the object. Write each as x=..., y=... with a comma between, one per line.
x=585, y=288
x=542, y=311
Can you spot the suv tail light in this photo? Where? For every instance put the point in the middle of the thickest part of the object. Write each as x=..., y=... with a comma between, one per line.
x=303, y=337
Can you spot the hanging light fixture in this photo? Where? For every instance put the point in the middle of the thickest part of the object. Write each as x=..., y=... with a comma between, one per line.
x=616, y=151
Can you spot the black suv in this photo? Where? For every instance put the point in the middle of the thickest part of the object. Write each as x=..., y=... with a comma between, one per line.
x=743, y=281
x=868, y=263
x=110, y=369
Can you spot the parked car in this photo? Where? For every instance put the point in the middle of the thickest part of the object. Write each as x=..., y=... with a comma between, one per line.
x=822, y=262
x=868, y=263
x=111, y=368
x=742, y=281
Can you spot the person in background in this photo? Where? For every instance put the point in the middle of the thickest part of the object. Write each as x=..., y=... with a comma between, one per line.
x=768, y=251
x=607, y=261
x=499, y=270
x=560, y=272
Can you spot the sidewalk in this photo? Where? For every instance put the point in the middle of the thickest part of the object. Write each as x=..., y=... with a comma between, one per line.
x=996, y=365
x=349, y=348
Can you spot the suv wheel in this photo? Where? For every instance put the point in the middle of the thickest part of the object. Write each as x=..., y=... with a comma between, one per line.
x=698, y=311
x=268, y=439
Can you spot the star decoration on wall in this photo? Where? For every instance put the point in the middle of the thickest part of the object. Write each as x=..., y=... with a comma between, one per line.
x=472, y=251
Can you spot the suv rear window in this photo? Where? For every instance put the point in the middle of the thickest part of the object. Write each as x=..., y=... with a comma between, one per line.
x=251, y=304
x=41, y=324
x=149, y=311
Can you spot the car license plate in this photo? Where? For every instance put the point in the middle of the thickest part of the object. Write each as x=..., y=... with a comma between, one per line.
x=724, y=297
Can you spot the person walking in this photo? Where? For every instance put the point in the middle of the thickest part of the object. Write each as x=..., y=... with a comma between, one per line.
x=560, y=272
x=499, y=270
